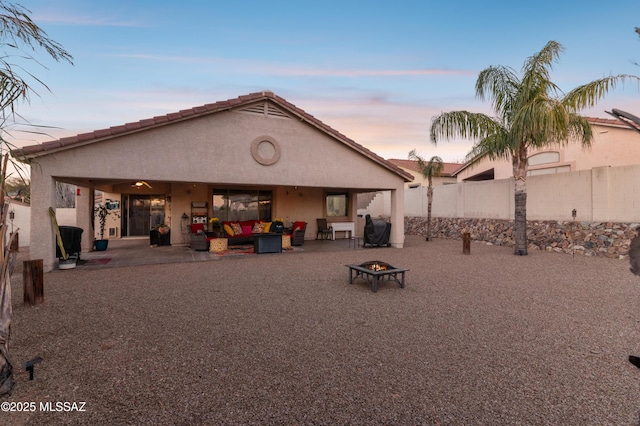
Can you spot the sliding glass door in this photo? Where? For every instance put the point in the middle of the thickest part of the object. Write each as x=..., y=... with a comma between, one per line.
x=143, y=212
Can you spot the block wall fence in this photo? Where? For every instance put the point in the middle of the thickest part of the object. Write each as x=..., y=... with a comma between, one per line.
x=606, y=201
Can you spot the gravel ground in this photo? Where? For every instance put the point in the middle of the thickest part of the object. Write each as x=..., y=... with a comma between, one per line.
x=485, y=339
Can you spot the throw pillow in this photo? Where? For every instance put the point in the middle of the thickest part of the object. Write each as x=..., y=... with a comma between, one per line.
x=228, y=230
x=257, y=228
x=195, y=227
x=237, y=229
x=246, y=230
x=266, y=226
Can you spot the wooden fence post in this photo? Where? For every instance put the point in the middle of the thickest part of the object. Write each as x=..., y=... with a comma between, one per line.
x=33, y=281
x=466, y=243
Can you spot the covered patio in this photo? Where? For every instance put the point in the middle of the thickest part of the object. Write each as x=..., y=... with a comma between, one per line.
x=125, y=252
x=253, y=157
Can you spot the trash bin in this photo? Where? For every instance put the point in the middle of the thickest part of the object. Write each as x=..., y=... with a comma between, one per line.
x=71, y=240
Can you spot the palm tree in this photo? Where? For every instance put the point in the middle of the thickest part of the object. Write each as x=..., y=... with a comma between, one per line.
x=429, y=170
x=531, y=112
x=18, y=35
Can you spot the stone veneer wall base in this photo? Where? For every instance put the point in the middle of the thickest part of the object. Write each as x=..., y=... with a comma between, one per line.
x=606, y=239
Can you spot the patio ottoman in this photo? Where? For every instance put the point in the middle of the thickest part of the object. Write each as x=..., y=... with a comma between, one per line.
x=286, y=242
x=218, y=245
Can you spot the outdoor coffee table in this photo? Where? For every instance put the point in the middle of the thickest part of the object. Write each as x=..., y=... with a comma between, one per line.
x=374, y=272
x=267, y=243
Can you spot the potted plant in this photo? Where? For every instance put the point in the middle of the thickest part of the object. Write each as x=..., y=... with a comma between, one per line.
x=102, y=211
x=159, y=235
x=215, y=224
x=277, y=225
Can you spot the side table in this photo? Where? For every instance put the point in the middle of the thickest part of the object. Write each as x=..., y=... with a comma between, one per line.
x=357, y=239
x=267, y=243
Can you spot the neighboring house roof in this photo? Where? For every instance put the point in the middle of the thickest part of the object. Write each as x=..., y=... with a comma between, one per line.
x=606, y=121
x=592, y=120
x=47, y=148
x=447, y=171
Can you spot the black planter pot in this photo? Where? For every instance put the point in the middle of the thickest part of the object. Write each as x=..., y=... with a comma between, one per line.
x=101, y=245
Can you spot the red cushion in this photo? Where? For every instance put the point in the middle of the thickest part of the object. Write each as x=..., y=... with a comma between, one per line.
x=195, y=227
x=298, y=226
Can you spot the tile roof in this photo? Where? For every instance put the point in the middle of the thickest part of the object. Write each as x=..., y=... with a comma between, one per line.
x=70, y=142
x=448, y=170
x=605, y=121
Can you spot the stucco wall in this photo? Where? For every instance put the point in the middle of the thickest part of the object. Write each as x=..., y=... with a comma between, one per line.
x=552, y=197
x=66, y=216
x=21, y=223
x=218, y=149
x=601, y=195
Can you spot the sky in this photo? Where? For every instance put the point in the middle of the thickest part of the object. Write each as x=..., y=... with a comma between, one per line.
x=376, y=71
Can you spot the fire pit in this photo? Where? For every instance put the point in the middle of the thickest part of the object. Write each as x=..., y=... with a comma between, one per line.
x=374, y=272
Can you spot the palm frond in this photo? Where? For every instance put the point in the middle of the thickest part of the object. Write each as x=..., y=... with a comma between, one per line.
x=588, y=95
x=494, y=146
x=580, y=129
x=431, y=168
x=536, y=81
x=498, y=84
x=539, y=64
x=16, y=27
x=462, y=124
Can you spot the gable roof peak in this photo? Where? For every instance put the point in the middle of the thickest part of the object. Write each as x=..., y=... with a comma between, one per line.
x=50, y=147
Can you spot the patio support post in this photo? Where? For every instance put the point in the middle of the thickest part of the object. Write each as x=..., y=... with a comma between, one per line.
x=397, y=216
x=84, y=212
x=43, y=196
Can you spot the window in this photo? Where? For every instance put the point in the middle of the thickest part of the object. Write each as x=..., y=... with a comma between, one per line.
x=232, y=205
x=549, y=171
x=336, y=204
x=544, y=158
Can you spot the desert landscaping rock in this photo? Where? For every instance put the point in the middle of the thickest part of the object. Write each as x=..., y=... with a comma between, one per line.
x=487, y=338
x=583, y=238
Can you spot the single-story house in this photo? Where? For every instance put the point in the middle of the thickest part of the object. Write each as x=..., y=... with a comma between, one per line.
x=256, y=156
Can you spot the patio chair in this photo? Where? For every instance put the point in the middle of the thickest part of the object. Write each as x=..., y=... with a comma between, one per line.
x=199, y=238
x=297, y=234
x=324, y=230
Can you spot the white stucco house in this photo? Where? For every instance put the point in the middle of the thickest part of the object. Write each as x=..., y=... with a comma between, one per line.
x=253, y=155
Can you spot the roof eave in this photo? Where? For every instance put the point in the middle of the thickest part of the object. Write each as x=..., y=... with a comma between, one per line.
x=47, y=148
